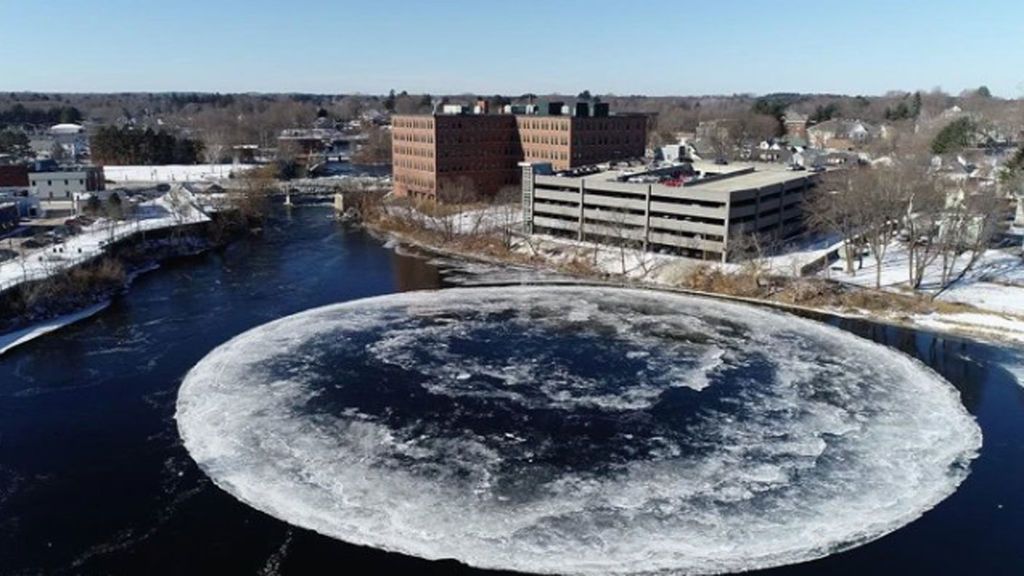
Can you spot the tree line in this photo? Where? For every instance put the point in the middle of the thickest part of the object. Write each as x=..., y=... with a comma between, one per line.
x=18, y=115
x=111, y=145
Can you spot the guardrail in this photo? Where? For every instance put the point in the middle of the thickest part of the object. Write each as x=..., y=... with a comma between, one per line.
x=52, y=260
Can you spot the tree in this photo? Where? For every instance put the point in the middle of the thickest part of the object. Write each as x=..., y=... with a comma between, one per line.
x=389, y=102
x=70, y=115
x=508, y=207
x=585, y=95
x=984, y=92
x=93, y=205
x=824, y=112
x=14, y=142
x=251, y=199
x=837, y=207
x=754, y=250
x=924, y=203
x=376, y=149
x=970, y=221
x=915, y=106
x=882, y=210
x=955, y=136
x=111, y=145
x=58, y=153
x=114, y=209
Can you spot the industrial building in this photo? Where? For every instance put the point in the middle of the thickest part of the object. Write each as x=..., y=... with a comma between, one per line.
x=471, y=148
x=66, y=182
x=696, y=210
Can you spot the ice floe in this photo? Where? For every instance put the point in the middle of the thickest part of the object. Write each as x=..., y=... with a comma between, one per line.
x=576, y=430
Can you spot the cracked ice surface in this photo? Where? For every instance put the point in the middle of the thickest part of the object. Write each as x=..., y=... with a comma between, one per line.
x=576, y=430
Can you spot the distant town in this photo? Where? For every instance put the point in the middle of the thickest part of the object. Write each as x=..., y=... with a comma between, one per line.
x=799, y=198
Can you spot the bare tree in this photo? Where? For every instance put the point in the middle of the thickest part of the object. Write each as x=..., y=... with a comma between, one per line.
x=508, y=209
x=924, y=205
x=624, y=233
x=881, y=209
x=837, y=207
x=970, y=222
x=376, y=149
x=754, y=250
x=250, y=199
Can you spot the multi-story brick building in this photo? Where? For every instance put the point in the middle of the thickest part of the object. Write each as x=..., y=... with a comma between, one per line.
x=450, y=154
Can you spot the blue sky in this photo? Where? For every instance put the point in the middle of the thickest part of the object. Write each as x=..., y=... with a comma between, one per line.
x=652, y=47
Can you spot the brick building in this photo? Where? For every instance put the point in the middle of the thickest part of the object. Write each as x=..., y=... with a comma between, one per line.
x=449, y=154
x=14, y=176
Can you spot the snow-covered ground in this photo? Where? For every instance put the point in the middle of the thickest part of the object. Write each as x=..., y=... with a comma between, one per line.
x=19, y=337
x=476, y=221
x=995, y=286
x=629, y=262
x=996, y=282
x=173, y=173
x=175, y=208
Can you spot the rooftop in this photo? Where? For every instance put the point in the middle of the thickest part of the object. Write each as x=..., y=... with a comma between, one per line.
x=702, y=176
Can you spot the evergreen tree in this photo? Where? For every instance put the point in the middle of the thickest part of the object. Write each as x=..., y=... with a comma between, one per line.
x=13, y=142
x=956, y=136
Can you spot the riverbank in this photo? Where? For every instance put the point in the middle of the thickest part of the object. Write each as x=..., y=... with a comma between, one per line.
x=38, y=307
x=806, y=295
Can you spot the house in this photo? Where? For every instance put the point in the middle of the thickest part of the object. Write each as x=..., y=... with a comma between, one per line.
x=672, y=152
x=795, y=124
x=774, y=150
x=842, y=134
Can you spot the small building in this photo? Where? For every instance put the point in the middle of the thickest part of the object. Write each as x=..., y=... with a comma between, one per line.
x=64, y=184
x=28, y=205
x=842, y=134
x=9, y=215
x=795, y=124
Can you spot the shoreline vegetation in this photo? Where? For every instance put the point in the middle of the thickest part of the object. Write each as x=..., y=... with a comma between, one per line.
x=72, y=290
x=746, y=284
x=67, y=294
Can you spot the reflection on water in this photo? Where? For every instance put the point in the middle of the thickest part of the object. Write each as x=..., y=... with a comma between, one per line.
x=94, y=480
x=414, y=274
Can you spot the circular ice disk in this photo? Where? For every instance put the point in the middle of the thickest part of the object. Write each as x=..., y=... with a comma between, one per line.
x=576, y=430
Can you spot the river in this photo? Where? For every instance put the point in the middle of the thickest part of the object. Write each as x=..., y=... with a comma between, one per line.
x=94, y=478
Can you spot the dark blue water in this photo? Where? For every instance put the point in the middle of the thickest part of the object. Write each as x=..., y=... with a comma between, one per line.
x=94, y=480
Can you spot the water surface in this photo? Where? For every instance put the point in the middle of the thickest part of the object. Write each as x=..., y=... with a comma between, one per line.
x=94, y=479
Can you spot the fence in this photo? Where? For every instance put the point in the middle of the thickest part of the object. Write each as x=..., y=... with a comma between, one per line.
x=84, y=248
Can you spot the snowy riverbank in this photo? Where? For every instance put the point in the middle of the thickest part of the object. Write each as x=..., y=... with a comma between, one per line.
x=558, y=258
x=13, y=339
